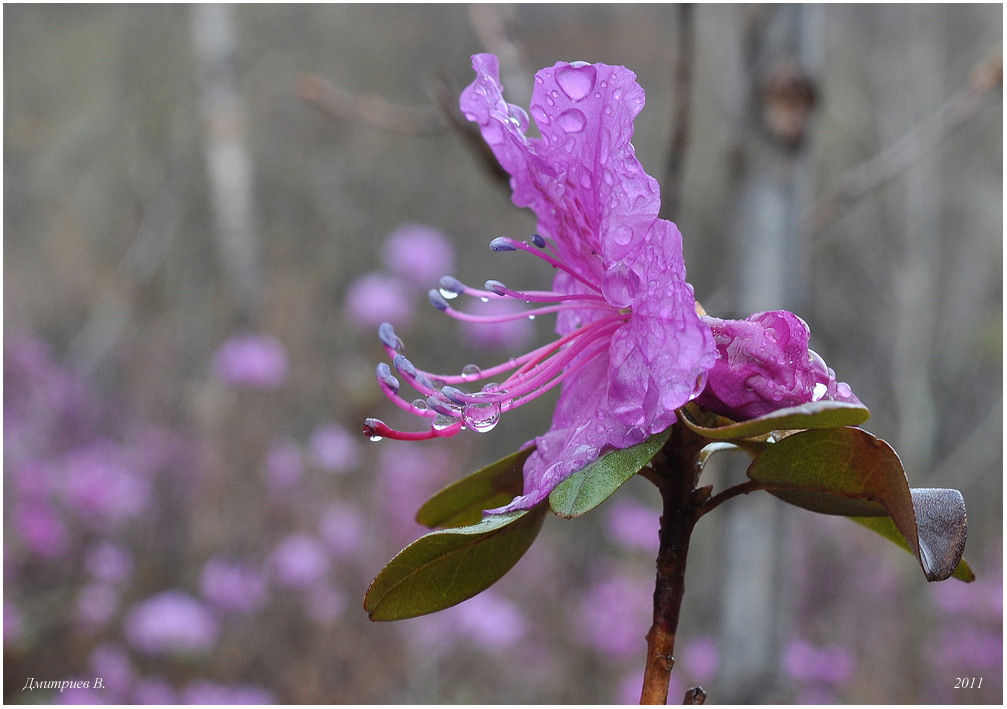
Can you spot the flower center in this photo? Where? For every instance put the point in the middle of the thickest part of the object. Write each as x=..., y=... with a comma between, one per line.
x=450, y=409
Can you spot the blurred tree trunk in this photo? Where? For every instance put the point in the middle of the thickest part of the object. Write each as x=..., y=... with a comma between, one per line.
x=780, y=58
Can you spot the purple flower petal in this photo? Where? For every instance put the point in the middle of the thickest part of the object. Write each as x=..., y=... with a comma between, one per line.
x=764, y=364
x=232, y=586
x=334, y=449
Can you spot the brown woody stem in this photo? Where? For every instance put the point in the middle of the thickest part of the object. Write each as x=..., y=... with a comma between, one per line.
x=675, y=473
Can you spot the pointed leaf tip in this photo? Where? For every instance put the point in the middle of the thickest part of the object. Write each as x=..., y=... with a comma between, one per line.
x=446, y=567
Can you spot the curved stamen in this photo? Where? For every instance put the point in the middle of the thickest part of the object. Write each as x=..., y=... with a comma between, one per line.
x=376, y=429
x=443, y=306
x=544, y=296
x=557, y=380
x=505, y=243
x=393, y=396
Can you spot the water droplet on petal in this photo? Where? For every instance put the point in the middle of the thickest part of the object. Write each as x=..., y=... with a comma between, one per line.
x=540, y=116
x=471, y=370
x=531, y=317
x=819, y=392
x=585, y=180
x=448, y=294
x=482, y=417
x=576, y=81
x=622, y=235
x=371, y=427
x=621, y=285
x=420, y=404
x=572, y=120
x=485, y=299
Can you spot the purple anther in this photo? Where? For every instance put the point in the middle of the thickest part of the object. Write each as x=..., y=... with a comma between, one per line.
x=454, y=394
x=386, y=333
x=385, y=376
x=452, y=285
x=442, y=407
x=538, y=241
x=425, y=380
x=437, y=300
x=497, y=287
x=404, y=366
x=502, y=243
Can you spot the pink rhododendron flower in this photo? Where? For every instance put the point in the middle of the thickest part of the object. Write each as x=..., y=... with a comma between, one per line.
x=334, y=449
x=632, y=348
x=300, y=561
x=232, y=586
x=764, y=364
x=171, y=623
x=419, y=254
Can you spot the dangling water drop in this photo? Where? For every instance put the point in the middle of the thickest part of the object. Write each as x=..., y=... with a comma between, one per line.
x=531, y=317
x=420, y=404
x=470, y=371
x=485, y=299
x=448, y=294
x=371, y=429
x=482, y=417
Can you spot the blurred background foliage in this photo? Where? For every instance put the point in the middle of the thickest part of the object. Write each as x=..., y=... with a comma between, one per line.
x=191, y=197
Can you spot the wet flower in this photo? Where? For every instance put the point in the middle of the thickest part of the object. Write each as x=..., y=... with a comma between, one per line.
x=377, y=298
x=171, y=623
x=232, y=586
x=257, y=361
x=764, y=364
x=631, y=346
x=419, y=254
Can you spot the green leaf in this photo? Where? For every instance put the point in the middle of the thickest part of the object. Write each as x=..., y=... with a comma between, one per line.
x=462, y=503
x=887, y=529
x=813, y=415
x=446, y=567
x=592, y=485
x=847, y=471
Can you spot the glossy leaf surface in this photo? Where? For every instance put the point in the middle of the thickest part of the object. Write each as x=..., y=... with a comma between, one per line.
x=813, y=415
x=592, y=485
x=446, y=567
x=847, y=471
x=462, y=503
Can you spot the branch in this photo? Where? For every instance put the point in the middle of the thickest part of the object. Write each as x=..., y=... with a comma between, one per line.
x=671, y=192
x=898, y=157
x=369, y=109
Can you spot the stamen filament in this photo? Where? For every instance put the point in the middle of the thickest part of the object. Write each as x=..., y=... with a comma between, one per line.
x=555, y=263
x=468, y=317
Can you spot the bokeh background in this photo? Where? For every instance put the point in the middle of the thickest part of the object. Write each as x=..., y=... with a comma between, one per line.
x=207, y=212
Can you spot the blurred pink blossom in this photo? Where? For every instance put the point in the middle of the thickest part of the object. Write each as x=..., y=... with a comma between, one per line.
x=832, y=665
x=615, y=614
x=109, y=563
x=206, y=692
x=334, y=449
x=97, y=603
x=171, y=623
x=419, y=254
x=376, y=298
x=701, y=658
x=111, y=663
x=507, y=335
x=41, y=529
x=12, y=623
x=325, y=605
x=300, y=561
x=154, y=690
x=232, y=586
x=284, y=465
x=257, y=361
x=101, y=487
x=342, y=527
x=635, y=526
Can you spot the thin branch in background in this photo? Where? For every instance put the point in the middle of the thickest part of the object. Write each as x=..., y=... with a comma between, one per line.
x=896, y=158
x=491, y=27
x=671, y=191
x=369, y=109
x=695, y=695
x=447, y=100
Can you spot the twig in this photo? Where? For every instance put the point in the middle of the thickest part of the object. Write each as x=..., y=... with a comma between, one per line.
x=369, y=109
x=695, y=695
x=720, y=498
x=919, y=141
x=671, y=192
